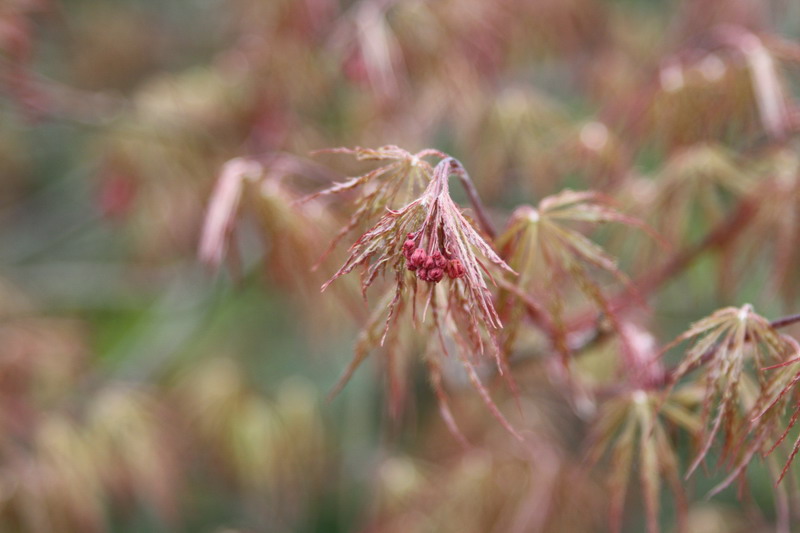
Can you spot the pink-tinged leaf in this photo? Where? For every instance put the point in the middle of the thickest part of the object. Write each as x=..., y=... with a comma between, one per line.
x=430, y=241
x=552, y=257
x=351, y=183
x=731, y=346
x=620, y=468
x=223, y=209
x=630, y=427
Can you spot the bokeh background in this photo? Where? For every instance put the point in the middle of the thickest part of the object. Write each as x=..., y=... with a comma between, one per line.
x=144, y=391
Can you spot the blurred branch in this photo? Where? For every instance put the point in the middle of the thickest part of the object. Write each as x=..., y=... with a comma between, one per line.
x=785, y=321
x=475, y=200
x=722, y=234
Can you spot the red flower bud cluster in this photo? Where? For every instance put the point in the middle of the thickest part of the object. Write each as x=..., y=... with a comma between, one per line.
x=433, y=267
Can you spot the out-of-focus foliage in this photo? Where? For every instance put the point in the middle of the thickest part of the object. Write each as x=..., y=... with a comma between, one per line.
x=174, y=193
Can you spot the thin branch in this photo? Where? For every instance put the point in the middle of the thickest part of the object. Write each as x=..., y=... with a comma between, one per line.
x=480, y=211
x=785, y=321
x=722, y=234
x=718, y=237
x=585, y=326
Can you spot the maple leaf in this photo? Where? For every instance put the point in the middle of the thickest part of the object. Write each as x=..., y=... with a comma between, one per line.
x=629, y=428
x=546, y=248
x=730, y=345
x=429, y=243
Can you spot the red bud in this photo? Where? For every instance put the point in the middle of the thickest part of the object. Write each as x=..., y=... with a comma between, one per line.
x=455, y=269
x=435, y=275
x=418, y=258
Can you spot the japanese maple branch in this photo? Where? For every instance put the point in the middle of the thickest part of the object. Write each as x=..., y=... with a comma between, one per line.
x=585, y=330
x=472, y=193
x=785, y=321
x=722, y=234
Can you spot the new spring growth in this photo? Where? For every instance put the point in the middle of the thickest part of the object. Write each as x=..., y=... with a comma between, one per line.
x=433, y=239
x=430, y=267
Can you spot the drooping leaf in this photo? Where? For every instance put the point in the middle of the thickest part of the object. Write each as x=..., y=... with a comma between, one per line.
x=730, y=346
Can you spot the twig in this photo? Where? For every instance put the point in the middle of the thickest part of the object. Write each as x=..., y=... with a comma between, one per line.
x=480, y=212
x=785, y=321
x=722, y=234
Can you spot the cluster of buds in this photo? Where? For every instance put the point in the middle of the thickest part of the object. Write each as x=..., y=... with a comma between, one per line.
x=433, y=267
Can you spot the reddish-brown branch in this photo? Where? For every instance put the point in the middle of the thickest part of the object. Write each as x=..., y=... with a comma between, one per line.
x=725, y=232
x=583, y=325
x=785, y=321
x=480, y=211
x=720, y=236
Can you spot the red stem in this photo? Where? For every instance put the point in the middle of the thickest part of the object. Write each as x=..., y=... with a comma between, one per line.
x=480, y=212
x=785, y=321
x=718, y=237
